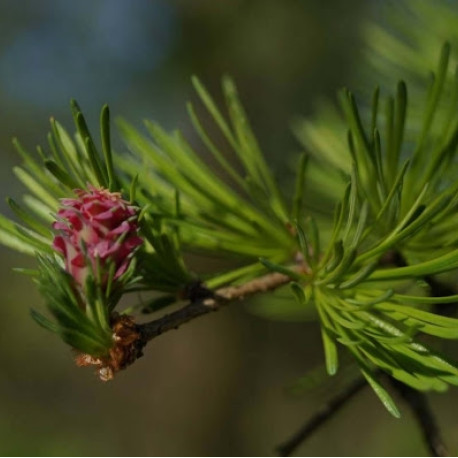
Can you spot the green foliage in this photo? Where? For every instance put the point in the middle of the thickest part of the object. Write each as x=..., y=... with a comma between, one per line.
x=243, y=214
x=401, y=204
x=388, y=166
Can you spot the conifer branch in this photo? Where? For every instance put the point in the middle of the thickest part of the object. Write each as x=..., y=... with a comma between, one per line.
x=130, y=338
x=206, y=301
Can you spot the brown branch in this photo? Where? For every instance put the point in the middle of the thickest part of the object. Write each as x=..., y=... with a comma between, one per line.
x=321, y=416
x=209, y=301
x=425, y=418
x=130, y=338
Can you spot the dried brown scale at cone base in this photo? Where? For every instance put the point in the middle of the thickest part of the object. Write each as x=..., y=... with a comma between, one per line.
x=127, y=348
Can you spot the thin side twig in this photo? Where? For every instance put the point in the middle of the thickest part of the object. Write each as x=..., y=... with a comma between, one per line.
x=417, y=401
x=425, y=418
x=321, y=416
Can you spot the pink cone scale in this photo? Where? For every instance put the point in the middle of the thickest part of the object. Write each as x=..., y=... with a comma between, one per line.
x=96, y=230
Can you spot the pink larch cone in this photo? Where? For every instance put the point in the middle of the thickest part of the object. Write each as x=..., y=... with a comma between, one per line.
x=96, y=229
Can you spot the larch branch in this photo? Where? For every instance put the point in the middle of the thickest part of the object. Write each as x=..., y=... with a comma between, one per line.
x=210, y=301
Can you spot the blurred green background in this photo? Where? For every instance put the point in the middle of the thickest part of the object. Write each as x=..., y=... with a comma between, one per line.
x=216, y=386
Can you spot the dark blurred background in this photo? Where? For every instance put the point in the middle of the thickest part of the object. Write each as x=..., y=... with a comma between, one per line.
x=216, y=386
